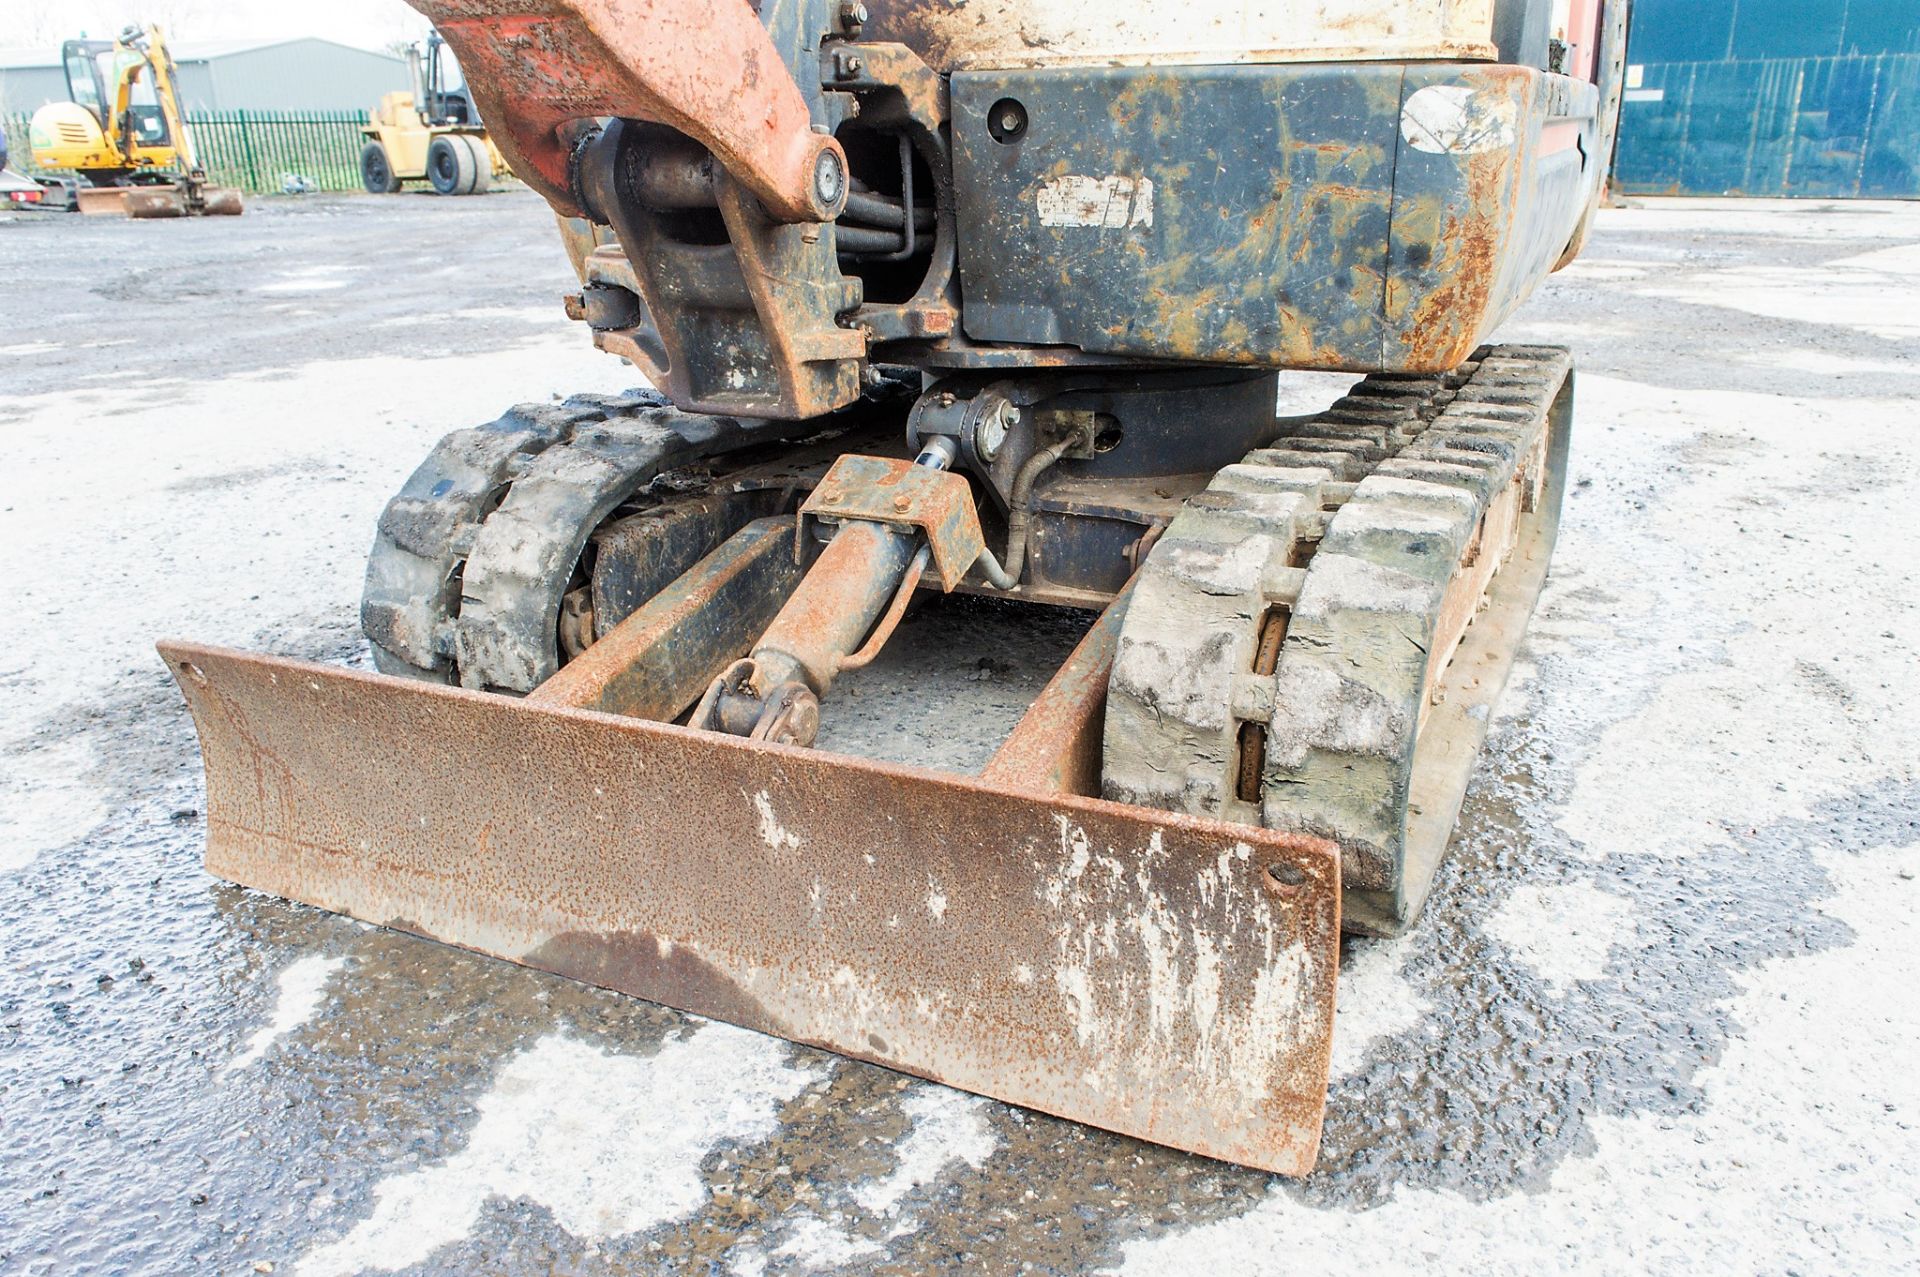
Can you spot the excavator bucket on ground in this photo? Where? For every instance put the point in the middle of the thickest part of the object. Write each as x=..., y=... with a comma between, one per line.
x=943, y=309
x=159, y=200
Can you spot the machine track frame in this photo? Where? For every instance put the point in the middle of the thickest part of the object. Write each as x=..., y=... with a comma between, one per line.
x=1017, y=934
x=1298, y=629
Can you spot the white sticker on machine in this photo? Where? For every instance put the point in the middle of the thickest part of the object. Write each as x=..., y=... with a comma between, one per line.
x=1454, y=119
x=1113, y=203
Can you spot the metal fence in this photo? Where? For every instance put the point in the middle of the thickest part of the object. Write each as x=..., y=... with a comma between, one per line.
x=1827, y=127
x=256, y=150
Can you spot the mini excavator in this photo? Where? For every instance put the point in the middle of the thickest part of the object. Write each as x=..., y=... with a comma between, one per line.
x=989, y=298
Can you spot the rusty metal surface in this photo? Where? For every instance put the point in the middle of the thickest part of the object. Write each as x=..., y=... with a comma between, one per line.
x=750, y=328
x=1055, y=747
x=705, y=67
x=1160, y=975
x=1342, y=216
x=1485, y=204
x=104, y=201
x=846, y=590
x=1062, y=32
x=660, y=659
x=899, y=493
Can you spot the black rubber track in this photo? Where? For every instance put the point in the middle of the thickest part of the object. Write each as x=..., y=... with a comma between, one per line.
x=474, y=554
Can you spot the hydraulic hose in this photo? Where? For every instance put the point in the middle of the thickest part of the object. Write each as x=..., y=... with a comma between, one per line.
x=1006, y=575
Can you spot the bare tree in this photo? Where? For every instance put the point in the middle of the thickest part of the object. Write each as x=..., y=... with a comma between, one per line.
x=45, y=23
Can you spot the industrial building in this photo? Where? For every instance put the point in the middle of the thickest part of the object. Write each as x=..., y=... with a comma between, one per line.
x=1813, y=98
x=307, y=74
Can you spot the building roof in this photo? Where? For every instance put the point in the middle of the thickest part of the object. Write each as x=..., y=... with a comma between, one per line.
x=20, y=59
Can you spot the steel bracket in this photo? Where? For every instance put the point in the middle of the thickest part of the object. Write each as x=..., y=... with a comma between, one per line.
x=894, y=491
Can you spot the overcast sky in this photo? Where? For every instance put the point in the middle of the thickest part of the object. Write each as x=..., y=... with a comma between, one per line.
x=370, y=24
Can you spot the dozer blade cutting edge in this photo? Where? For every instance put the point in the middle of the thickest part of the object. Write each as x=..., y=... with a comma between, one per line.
x=1161, y=975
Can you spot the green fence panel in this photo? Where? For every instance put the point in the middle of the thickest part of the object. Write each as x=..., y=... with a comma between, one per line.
x=259, y=150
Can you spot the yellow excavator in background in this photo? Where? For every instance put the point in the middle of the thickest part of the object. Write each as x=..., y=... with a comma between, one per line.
x=433, y=132
x=122, y=130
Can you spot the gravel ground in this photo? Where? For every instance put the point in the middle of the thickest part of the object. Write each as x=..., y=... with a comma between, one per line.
x=1659, y=1016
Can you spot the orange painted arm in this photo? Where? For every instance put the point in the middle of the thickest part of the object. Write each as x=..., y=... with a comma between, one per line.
x=537, y=68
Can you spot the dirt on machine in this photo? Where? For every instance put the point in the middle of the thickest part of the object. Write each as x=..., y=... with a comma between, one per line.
x=433, y=133
x=124, y=135
x=993, y=300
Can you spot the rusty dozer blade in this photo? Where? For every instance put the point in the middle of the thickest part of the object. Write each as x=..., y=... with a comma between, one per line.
x=1162, y=975
x=103, y=201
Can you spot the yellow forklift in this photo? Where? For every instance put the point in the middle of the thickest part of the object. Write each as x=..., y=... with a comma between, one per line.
x=123, y=132
x=433, y=133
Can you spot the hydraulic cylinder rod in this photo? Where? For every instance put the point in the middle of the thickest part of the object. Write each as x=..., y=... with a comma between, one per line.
x=774, y=694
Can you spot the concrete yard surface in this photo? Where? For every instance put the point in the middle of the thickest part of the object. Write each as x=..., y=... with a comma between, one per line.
x=1660, y=1016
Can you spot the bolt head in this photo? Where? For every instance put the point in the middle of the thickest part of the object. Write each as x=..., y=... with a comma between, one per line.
x=829, y=178
x=987, y=440
x=801, y=723
x=991, y=434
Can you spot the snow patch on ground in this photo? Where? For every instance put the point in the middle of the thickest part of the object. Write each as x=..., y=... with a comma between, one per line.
x=1831, y=294
x=1766, y=1171
x=320, y=278
x=281, y=481
x=948, y=1127
x=611, y=1144
x=303, y=989
x=1563, y=931
x=1901, y=259
x=817, y=1245
x=1601, y=268
x=1375, y=1001
x=1785, y=220
x=302, y=286
x=1820, y=361
x=525, y=314
x=43, y=802
x=1805, y=691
